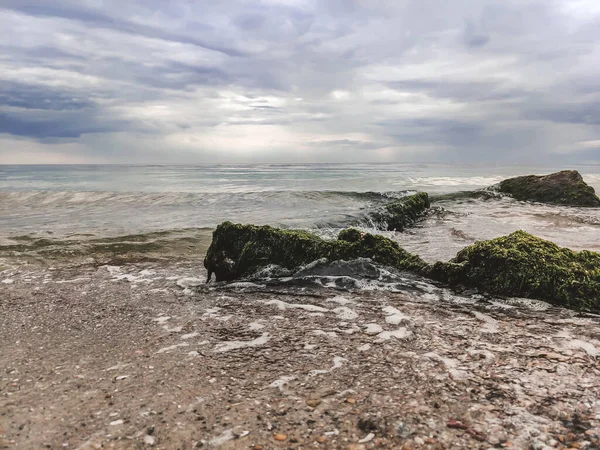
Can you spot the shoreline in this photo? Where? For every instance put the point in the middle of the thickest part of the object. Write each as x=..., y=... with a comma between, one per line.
x=145, y=355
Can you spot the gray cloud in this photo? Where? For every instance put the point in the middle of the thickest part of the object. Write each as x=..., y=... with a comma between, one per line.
x=303, y=80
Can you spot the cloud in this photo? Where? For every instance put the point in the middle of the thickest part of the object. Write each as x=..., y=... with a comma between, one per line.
x=299, y=80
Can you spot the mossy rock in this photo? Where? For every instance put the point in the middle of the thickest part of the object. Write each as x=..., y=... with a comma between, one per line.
x=523, y=265
x=240, y=250
x=560, y=188
x=402, y=213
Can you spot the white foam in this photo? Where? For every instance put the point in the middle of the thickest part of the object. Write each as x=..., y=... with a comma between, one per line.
x=450, y=364
x=161, y=319
x=173, y=347
x=345, y=313
x=188, y=282
x=189, y=336
x=400, y=333
x=225, y=436
x=373, y=328
x=338, y=362
x=235, y=345
x=340, y=300
x=490, y=324
x=330, y=334
x=74, y=280
x=394, y=316
x=278, y=384
x=255, y=326
x=281, y=305
x=587, y=347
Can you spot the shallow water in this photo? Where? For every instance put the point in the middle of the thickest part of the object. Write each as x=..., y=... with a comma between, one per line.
x=61, y=201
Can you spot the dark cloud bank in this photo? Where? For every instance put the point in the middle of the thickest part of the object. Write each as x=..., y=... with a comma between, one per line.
x=511, y=81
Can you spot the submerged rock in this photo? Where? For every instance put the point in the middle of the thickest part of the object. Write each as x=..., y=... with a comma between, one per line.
x=561, y=188
x=240, y=250
x=403, y=212
x=523, y=265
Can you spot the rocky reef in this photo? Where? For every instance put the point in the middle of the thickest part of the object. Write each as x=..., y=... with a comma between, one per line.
x=518, y=265
x=402, y=213
x=523, y=265
x=239, y=250
x=561, y=188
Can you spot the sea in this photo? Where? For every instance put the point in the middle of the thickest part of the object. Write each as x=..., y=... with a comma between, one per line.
x=63, y=201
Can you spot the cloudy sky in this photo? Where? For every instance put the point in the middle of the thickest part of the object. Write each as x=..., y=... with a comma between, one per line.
x=192, y=81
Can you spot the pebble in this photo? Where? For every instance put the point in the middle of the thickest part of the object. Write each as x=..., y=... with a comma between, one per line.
x=321, y=439
x=368, y=438
x=280, y=437
x=149, y=440
x=456, y=425
x=313, y=403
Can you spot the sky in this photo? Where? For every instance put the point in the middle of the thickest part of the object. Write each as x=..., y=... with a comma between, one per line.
x=224, y=81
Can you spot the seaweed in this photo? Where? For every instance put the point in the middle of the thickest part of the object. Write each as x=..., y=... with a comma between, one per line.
x=561, y=188
x=239, y=250
x=524, y=265
x=402, y=213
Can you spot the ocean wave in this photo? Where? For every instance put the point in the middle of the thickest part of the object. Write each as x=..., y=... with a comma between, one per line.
x=32, y=198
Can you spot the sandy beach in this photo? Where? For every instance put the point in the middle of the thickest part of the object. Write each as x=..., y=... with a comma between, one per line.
x=145, y=355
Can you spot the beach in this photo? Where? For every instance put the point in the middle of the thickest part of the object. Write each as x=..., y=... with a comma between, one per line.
x=111, y=337
x=146, y=355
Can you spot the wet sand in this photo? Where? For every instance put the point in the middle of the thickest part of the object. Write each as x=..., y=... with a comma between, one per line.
x=144, y=355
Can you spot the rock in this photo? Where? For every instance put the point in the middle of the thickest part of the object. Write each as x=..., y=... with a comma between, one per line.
x=313, y=402
x=523, y=265
x=280, y=437
x=367, y=425
x=403, y=430
x=560, y=188
x=368, y=438
x=402, y=213
x=240, y=250
x=456, y=425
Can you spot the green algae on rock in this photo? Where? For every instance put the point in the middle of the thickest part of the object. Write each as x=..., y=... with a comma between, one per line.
x=561, y=188
x=240, y=250
x=523, y=265
x=403, y=212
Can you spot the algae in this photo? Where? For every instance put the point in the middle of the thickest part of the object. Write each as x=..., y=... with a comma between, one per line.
x=561, y=188
x=524, y=265
x=402, y=213
x=240, y=250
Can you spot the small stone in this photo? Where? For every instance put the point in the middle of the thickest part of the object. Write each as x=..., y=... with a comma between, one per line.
x=116, y=422
x=368, y=438
x=456, y=425
x=476, y=435
x=321, y=439
x=258, y=447
x=402, y=430
x=280, y=437
x=149, y=440
x=313, y=403
x=350, y=400
x=356, y=447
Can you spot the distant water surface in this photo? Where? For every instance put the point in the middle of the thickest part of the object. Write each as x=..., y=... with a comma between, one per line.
x=112, y=200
